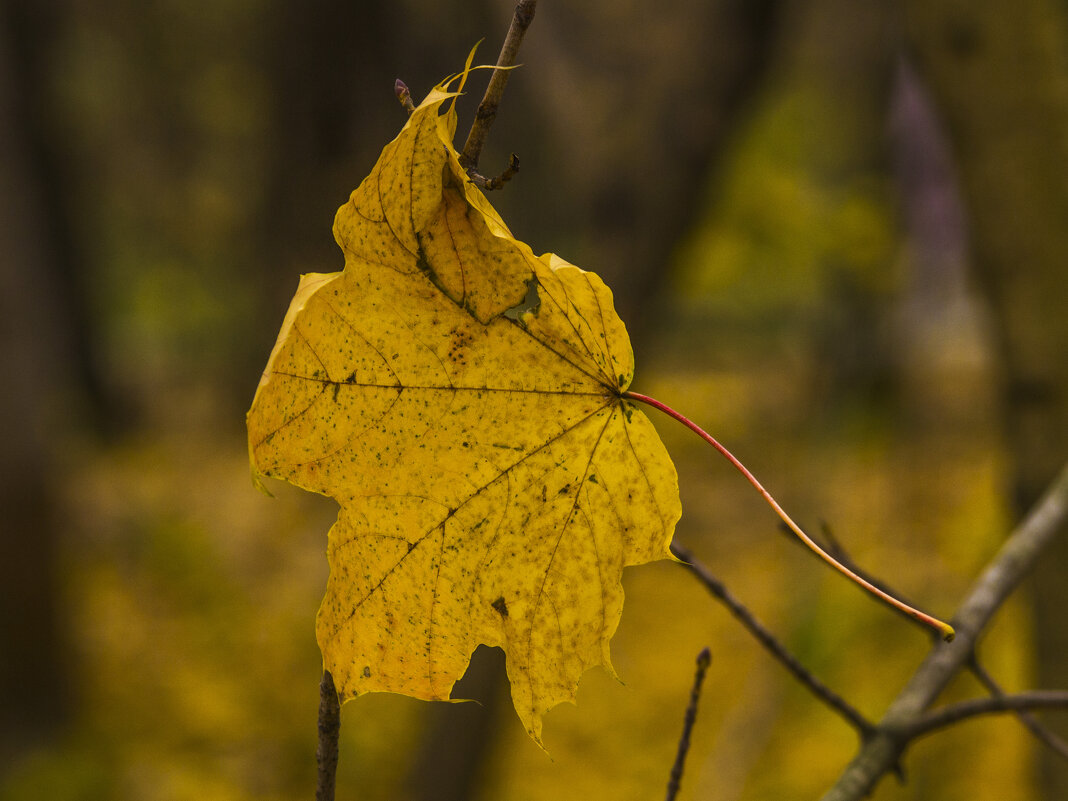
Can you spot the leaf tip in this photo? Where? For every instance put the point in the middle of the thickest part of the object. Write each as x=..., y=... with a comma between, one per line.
x=257, y=481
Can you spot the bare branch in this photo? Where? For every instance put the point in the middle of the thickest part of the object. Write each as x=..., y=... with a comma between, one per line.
x=881, y=752
x=834, y=547
x=954, y=713
x=1033, y=724
x=772, y=645
x=487, y=184
x=704, y=659
x=487, y=109
x=329, y=731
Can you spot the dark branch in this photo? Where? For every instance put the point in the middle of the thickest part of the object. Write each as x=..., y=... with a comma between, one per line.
x=704, y=659
x=771, y=643
x=1033, y=724
x=954, y=713
x=329, y=730
x=495, y=183
x=487, y=109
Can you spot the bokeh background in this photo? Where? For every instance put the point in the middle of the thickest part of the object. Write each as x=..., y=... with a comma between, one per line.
x=837, y=232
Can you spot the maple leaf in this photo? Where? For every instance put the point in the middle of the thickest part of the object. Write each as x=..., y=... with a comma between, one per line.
x=461, y=399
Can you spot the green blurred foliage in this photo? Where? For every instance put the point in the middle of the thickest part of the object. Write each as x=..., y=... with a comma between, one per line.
x=789, y=222
x=189, y=598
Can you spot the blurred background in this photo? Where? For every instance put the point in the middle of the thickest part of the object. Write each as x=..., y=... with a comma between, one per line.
x=836, y=231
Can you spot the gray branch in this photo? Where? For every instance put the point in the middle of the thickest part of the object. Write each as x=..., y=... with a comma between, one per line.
x=882, y=751
x=954, y=713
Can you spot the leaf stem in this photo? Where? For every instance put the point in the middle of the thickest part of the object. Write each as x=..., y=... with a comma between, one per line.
x=944, y=629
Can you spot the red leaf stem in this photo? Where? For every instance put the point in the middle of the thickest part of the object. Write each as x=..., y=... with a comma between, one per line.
x=944, y=629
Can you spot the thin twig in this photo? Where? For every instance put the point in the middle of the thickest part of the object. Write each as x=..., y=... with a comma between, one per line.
x=772, y=645
x=329, y=731
x=954, y=713
x=704, y=659
x=882, y=752
x=487, y=109
x=482, y=182
x=1033, y=724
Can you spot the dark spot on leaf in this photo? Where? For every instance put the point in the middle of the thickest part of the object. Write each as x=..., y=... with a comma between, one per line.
x=337, y=388
x=420, y=260
x=592, y=478
x=410, y=546
x=565, y=489
x=367, y=672
x=501, y=606
x=622, y=379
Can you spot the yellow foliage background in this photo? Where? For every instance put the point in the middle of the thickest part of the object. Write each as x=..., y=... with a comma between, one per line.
x=208, y=145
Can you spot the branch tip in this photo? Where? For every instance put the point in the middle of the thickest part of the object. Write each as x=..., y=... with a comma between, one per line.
x=704, y=659
x=400, y=88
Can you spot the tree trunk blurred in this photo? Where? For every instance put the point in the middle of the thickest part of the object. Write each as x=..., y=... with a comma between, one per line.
x=847, y=51
x=634, y=104
x=1000, y=76
x=41, y=367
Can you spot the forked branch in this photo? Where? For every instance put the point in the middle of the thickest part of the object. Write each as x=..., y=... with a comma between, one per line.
x=1056, y=744
x=881, y=753
x=834, y=547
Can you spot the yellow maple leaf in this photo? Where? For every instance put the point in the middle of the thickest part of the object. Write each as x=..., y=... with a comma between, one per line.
x=461, y=399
